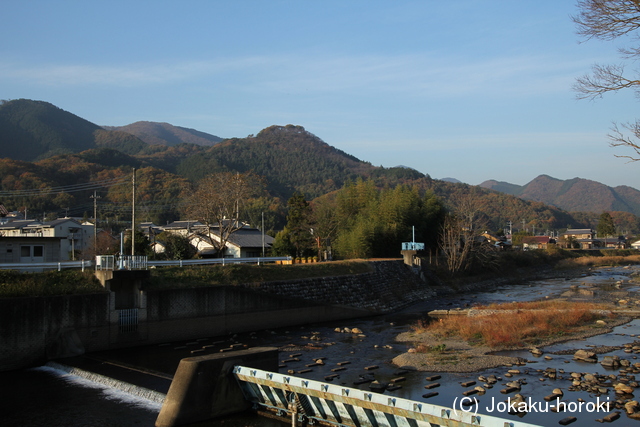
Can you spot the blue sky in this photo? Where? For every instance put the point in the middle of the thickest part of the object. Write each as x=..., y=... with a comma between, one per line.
x=474, y=90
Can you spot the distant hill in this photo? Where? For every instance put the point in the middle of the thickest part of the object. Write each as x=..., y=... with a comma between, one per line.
x=155, y=133
x=292, y=159
x=44, y=146
x=32, y=130
x=453, y=180
x=36, y=130
x=573, y=195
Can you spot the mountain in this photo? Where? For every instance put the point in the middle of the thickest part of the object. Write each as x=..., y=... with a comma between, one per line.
x=31, y=130
x=453, y=180
x=573, y=195
x=292, y=159
x=36, y=130
x=45, y=147
x=155, y=133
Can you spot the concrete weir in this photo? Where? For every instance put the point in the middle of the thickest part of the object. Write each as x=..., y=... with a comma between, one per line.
x=205, y=387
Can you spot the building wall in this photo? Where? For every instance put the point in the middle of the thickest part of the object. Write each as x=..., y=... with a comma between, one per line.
x=10, y=248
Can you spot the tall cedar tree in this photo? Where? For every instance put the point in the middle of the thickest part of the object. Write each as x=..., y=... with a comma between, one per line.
x=299, y=224
x=606, y=227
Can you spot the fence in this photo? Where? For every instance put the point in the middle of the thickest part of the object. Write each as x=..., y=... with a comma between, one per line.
x=41, y=266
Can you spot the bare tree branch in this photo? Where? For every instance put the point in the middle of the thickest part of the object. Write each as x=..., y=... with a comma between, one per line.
x=218, y=203
x=607, y=19
x=617, y=138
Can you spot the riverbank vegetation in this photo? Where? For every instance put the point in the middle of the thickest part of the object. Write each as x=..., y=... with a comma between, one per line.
x=235, y=274
x=516, y=324
x=15, y=284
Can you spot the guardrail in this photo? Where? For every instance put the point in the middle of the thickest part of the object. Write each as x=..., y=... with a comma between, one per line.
x=110, y=262
x=37, y=266
x=223, y=261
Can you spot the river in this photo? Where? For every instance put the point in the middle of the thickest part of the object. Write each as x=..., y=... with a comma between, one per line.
x=46, y=396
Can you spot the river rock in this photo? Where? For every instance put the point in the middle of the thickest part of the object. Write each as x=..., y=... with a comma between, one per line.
x=632, y=407
x=585, y=356
x=513, y=384
x=622, y=388
x=610, y=362
x=536, y=351
x=356, y=331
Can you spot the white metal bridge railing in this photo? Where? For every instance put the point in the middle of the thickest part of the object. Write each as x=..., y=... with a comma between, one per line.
x=315, y=402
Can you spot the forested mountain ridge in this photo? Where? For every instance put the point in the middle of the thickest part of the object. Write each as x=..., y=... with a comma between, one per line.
x=36, y=130
x=155, y=133
x=574, y=195
x=288, y=157
x=31, y=130
x=292, y=159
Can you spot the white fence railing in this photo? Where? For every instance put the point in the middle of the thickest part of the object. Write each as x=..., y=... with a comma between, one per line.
x=40, y=266
x=111, y=262
x=223, y=261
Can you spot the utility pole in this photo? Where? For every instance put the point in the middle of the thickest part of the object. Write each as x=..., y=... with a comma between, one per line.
x=133, y=214
x=95, y=198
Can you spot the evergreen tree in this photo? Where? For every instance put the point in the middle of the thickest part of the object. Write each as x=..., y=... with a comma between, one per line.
x=606, y=227
x=298, y=226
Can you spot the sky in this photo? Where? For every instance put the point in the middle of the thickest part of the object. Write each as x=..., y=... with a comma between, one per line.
x=473, y=90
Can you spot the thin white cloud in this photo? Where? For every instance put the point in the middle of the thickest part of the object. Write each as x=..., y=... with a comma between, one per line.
x=416, y=75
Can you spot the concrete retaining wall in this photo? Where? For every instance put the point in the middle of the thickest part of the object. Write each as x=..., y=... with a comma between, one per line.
x=33, y=330
x=390, y=286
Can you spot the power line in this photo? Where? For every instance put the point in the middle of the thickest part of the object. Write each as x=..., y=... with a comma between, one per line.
x=65, y=188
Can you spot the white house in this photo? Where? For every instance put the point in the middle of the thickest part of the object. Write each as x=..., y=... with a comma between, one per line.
x=51, y=241
x=246, y=242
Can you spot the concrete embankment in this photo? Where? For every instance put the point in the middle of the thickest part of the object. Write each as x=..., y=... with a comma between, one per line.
x=33, y=330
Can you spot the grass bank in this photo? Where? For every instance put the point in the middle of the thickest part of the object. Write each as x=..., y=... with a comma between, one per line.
x=67, y=282
x=516, y=324
x=234, y=274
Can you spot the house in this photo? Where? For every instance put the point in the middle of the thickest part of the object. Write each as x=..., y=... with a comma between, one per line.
x=246, y=242
x=537, y=242
x=583, y=237
x=614, y=242
x=184, y=228
x=24, y=241
x=579, y=233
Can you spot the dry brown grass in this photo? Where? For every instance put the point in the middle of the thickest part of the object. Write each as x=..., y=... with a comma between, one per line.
x=598, y=261
x=530, y=324
x=547, y=304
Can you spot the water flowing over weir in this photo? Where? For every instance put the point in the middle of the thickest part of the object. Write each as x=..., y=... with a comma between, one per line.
x=134, y=390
